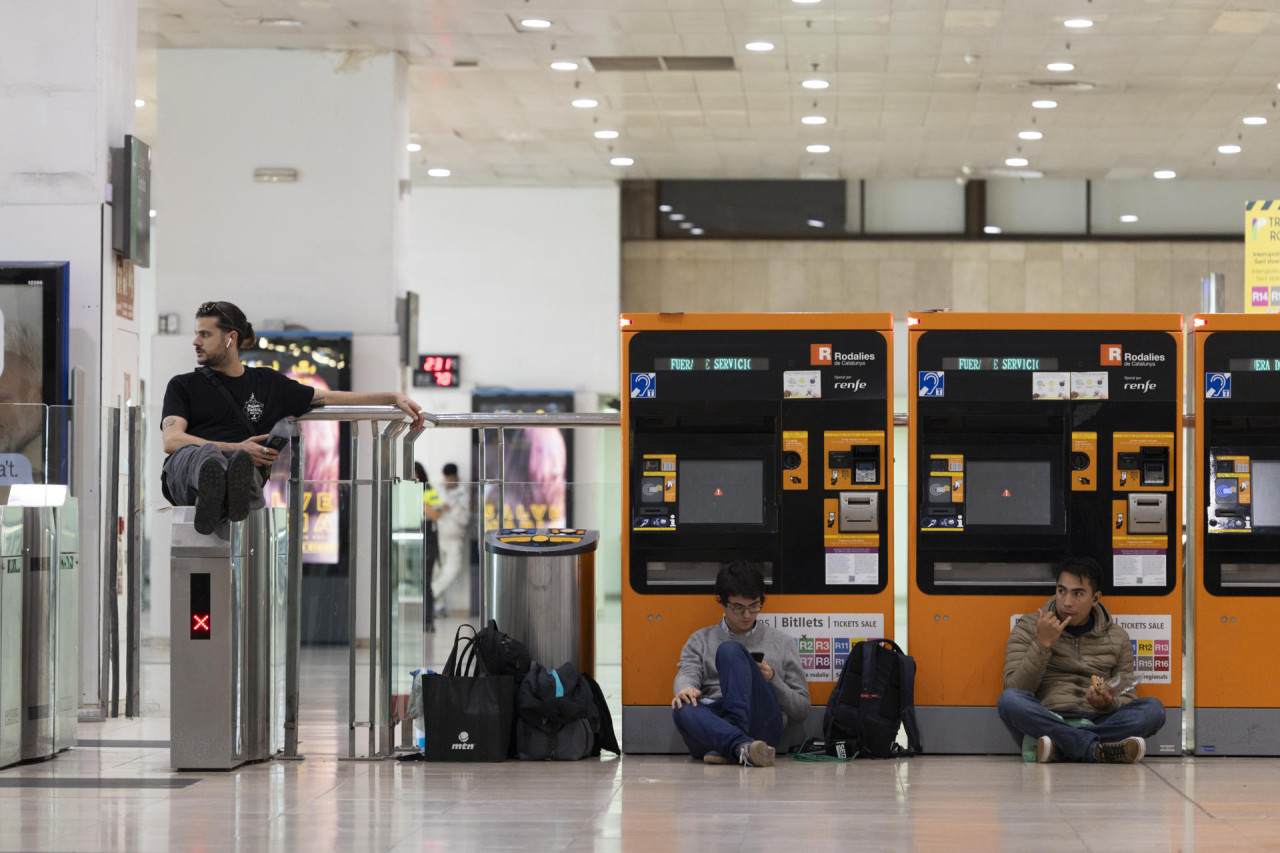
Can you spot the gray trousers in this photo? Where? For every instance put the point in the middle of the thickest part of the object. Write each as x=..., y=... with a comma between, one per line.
x=182, y=471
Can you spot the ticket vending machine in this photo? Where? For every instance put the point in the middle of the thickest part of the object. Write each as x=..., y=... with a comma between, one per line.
x=1237, y=556
x=757, y=437
x=1034, y=437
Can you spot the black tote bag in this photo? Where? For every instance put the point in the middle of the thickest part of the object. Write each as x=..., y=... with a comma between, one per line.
x=469, y=714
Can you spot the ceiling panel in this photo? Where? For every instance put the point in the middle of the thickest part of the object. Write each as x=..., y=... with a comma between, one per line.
x=917, y=87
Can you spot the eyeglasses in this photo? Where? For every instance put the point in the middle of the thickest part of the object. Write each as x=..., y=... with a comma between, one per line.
x=739, y=609
x=210, y=308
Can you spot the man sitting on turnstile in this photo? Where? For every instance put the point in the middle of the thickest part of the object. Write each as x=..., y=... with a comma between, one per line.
x=212, y=418
x=739, y=680
x=1068, y=678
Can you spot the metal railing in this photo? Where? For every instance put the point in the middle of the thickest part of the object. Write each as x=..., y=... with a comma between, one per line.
x=386, y=425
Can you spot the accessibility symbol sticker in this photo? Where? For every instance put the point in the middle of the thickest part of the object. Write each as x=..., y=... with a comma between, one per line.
x=644, y=385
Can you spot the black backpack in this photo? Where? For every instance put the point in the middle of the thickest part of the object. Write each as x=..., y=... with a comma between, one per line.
x=501, y=654
x=561, y=716
x=873, y=697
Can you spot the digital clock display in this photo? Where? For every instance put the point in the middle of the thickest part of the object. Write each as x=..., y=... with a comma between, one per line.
x=1254, y=365
x=1003, y=362
x=438, y=371
x=712, y=362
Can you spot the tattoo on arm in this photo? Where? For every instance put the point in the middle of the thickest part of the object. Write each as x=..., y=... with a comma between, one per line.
x=317, y=401
x=167, y=422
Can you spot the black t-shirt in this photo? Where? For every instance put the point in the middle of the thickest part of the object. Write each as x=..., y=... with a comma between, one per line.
x=266, y=396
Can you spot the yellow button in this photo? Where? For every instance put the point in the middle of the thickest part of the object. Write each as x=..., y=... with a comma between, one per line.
x=564, y=539
x=513, y=539
x=539, y=539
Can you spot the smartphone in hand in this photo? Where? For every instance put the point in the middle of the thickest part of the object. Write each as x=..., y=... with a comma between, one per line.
x=758, y=656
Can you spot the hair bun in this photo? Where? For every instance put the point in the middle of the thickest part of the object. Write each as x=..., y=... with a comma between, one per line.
x=248, y=339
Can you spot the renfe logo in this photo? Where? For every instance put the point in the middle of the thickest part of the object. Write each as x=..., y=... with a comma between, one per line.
x=1112, y=354
x=819, y=353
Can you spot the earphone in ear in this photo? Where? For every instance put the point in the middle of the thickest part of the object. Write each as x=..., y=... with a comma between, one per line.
x=228, y=343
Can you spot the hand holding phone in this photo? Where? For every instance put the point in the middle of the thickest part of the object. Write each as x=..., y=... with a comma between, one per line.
x=758, y=656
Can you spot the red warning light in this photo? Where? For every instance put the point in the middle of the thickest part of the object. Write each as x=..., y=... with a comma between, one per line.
x=719, y=493
x=1006, y=494
x=200, y=623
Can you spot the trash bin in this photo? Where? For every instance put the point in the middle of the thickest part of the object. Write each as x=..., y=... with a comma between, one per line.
x=540, y=588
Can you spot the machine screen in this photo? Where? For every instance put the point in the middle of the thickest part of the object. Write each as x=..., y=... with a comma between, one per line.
x=1008, y=493
x=1266, y=493
x=722, y=491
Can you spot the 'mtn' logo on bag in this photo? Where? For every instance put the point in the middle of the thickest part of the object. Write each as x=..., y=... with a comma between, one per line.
x=462, y=743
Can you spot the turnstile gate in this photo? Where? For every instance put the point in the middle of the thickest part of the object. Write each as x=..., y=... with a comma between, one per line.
x=227, y=640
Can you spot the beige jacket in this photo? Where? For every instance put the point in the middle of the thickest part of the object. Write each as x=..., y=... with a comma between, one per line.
x=1060, y=675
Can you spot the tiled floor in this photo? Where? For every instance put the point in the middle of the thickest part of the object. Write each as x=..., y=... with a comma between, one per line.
x=635, y=803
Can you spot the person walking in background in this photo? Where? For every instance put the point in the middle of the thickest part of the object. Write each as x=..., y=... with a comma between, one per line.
x=452, y=529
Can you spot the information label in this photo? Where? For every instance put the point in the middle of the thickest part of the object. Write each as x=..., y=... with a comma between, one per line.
x=853, y=565
x=824, y=640
x=1152, y=640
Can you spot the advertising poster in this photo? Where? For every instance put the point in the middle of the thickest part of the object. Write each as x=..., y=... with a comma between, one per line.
x=323, y=362
x=537, y=463
x=824, y=640
x=1262, y=257
x=24, y=387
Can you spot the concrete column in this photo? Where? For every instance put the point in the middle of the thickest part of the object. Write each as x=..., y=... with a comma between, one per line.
x=66, y=99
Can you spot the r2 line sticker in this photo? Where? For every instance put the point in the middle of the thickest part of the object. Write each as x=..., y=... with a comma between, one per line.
x=824, y=640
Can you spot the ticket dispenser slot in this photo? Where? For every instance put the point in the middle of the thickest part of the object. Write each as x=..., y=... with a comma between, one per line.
x=1148, y=514
x=859, y=512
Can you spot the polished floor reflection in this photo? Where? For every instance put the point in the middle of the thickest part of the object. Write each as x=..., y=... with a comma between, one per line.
x=116, y=792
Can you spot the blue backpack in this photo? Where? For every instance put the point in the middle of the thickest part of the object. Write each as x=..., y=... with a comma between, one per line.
x=874, y=695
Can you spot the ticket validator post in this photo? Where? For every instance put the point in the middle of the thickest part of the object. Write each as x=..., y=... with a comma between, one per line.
x=1034, y=437
x=1236, y=384
x=756, y=437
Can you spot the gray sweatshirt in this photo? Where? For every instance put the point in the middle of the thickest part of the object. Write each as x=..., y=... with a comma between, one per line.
x=698, y=665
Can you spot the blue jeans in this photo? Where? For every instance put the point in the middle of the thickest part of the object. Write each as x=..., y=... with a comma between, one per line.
x=1023, y=714
x=747, y=710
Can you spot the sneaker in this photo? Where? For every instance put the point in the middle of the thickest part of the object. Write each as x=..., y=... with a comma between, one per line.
x=1127, y=751
x=1047, y=751
x=756, y=754
x=240, y=483
x=714, y=758
x=211, y=497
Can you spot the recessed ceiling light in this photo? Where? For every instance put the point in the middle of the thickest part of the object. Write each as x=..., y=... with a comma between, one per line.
x=688, y=226
x=805, y=2
x=816, y=223
x=1128, y=217
x=439, y=173
x=272, y=22
x=817, y=149
x=535, y=23
x=815, y=83
x=697, y=232
x=1228, y=149
x=664, y=208
x=138, y=102
x=1016, y=162
x=760, y=46
x=606, y=134
x=1078, y=23
x=1164, y=174
x=814, y=120
x=1044, y=105
x=564, y=66
x=621, y=161
x=413, y=147
x=153, y=214
x=585, y=103
x=991, y=229
x=677, y=217
x=1060, y=66
x=1030, y=134
x=1254, y=120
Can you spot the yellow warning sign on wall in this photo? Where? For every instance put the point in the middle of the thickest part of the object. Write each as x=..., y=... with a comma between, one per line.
x=1262, y=257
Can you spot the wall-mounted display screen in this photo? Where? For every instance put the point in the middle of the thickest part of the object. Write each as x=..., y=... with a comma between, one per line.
x=721, y=491
x=1258, y=364
x=1265, y=482
x=1019, y=362
x=714, y=362
x=1014, y=493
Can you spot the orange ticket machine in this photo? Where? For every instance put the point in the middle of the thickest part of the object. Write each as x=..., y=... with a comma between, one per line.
x=1237, y=556
x=1034, y=437
x=757, y=437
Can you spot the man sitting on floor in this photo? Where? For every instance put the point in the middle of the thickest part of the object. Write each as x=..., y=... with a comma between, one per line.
x=1056, y=666
x=739, y=681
